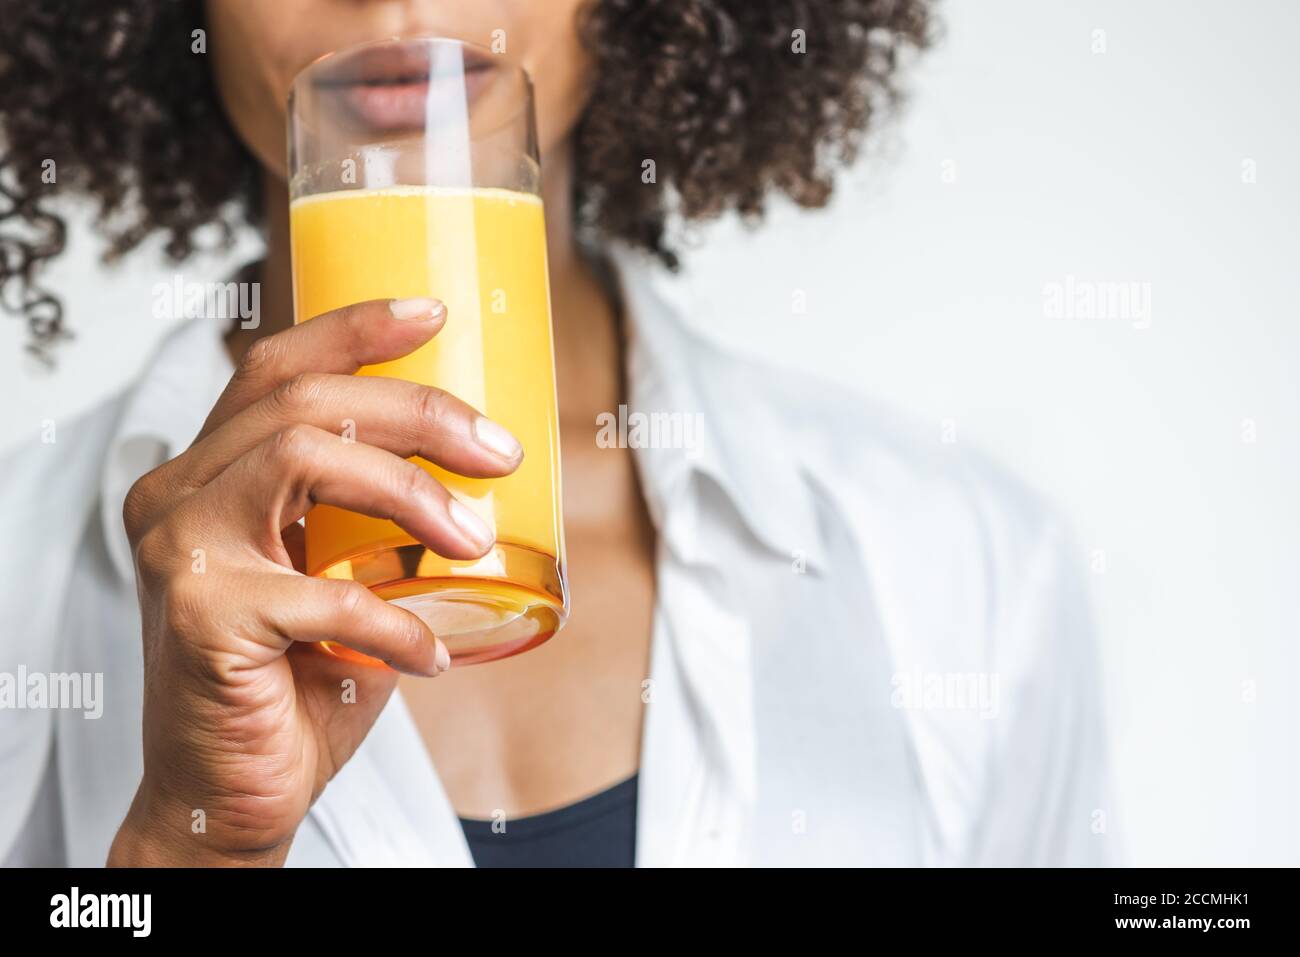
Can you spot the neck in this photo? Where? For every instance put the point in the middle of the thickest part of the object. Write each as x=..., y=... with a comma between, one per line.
x=588, y=351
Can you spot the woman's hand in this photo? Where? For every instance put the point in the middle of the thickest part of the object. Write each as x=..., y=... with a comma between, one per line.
x=245, y=721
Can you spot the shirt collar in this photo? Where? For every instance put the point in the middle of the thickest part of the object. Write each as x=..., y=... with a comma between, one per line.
x=672, y=369
x=160, y=417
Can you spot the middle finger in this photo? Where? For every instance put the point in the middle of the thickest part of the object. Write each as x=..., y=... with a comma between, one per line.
x=401, y=417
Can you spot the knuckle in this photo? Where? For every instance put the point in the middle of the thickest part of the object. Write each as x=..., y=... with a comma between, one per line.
x=431, y=405
x=402, y=639
x=184, y=604
x=174, y=586
x=350, y=598
x=358, y=325
x=138, y=504
x=292, y=444
x=259, y=357
x=410, y=636
x=412, y=481
x=154, y=554
x=300, y=393
x=347, y=328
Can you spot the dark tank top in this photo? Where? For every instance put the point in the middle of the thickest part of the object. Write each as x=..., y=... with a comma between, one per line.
x=599, y=831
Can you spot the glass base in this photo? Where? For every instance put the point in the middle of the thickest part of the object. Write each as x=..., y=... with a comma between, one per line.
x=480, y=610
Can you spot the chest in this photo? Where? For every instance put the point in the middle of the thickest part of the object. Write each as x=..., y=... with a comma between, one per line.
x=549, y=727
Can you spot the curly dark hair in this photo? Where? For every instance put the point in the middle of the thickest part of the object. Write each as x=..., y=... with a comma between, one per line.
x=732, y=99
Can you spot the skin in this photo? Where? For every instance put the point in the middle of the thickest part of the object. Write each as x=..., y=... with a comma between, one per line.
x=242, y=713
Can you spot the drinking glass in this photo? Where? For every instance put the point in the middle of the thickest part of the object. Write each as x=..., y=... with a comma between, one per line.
x=414, y=171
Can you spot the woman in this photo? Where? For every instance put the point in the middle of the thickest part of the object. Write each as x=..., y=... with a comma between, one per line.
x=819, y=639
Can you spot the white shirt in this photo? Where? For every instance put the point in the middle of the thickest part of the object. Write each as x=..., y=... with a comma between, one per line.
x=869, y=647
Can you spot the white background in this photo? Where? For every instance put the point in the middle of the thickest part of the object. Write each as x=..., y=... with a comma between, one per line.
x=1025, y=157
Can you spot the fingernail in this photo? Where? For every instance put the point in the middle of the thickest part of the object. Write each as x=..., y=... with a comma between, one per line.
x=469, y=523
x=411, y=309
x=497, y=439
x=443, y=657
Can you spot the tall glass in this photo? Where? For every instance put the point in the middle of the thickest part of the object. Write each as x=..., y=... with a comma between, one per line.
x=414, y=171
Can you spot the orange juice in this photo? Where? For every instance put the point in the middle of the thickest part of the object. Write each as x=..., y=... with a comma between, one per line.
x=483, y=253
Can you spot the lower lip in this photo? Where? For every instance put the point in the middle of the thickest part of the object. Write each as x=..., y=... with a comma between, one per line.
x=397, y=106
x=405, y=107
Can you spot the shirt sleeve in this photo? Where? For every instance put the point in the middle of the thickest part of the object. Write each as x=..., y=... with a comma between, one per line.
x=46, y=491
x=39, y=842
x=1047, y=801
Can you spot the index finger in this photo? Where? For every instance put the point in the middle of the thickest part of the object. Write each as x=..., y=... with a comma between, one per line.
x=339, y=342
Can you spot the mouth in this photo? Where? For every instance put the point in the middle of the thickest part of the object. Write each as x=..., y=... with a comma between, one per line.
x=397, y=88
